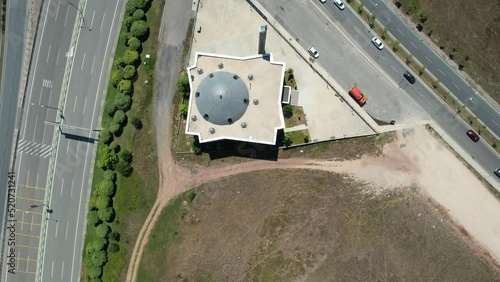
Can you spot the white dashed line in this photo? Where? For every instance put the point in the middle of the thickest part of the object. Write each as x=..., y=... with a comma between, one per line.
x=74, y=105
x=414, y=45
x=92, y=21
x=495, y=123
x=400, y=31
x=394, y=69
x=83, y=61
x=92, y=67
x=48, y=53
x=428, y=59
x=103, y=16
x=441, y=72
x=66, y=18
x=455, y=85
x=57, y=59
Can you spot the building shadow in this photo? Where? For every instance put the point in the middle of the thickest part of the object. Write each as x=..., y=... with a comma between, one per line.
x=229, y=148
x=79, y=138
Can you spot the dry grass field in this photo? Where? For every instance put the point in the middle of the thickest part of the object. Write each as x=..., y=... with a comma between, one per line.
x=471, y=31
x=302, y=225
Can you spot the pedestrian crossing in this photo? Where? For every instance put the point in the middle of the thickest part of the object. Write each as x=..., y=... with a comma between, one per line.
x=47, y=83
x=37, y=149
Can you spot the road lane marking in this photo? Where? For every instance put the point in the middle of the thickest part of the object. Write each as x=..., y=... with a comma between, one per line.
x=67, y=148
x=30, y=199
x=92, y=21
x=62, y=187
x=71, y=191
x=428, y=59
x=74, y=105
x=400, y=31
x=66, y=233
x=394, y=69
x=48, y=53
x=495, y=123
x=26, y=246
x=455, y=85
x=441, y=72
x=57, y=229
x=34, y=131
x=470, y=99
x=66, y=18
x=62, y=270
x=357, y=29
x=31, y=223
x=57, y=12
x=22, y=219
x=83, y=113
x=83, y=61
x=102, y=22
x=57, y=59
x=26, y=235
x=92, y=67
x=414, y=45
x=52, y=270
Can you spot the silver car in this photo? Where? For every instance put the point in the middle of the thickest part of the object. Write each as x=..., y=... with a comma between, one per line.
x=313, y=52
x=339, y=4
x=378, y=43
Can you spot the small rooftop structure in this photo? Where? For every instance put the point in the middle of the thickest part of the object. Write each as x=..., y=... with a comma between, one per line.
x=236, y=98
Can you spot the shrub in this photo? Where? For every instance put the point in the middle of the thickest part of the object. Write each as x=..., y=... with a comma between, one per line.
x=130, y=7
x=119, y=63
x=87, y=260
x=99, y=258
x=129, y=72
x=124, y=36
x=102, y=231
x=141, y=4
x=134, y=44
x=109, y=108
x=183, y=109
x=105, y=136
x=287, y=139
x=115, y=147
x=191, y=195
x=288, y=111
x=113, y=247
x=116, y=77
x=122, y=101
x=99, y=244
x=110, y=175
x=128, y=21
x=108, y=158
x=130, y=57
x=95, y=272
x=125, y=86
x=106, y=188
x=195, y=146
x=124, y=168
x=106, y=214
x=93, y=218
x=103, y=202
x=136, y=122
x=138, y=15
x=139, y=29
x=114, y=236
x=126, y=155
x=120, y=117
x=183, y=85
x=115, y=128
x=92, y=202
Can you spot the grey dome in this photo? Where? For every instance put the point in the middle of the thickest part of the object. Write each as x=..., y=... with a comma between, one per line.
x=222, y=98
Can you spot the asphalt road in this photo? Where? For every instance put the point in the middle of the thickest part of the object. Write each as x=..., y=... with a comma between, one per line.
x=305, y=20
x=12, y=64
x=435, y=64
x=76, y=148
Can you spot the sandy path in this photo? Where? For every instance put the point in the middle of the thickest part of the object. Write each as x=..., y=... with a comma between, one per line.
x=405, y=162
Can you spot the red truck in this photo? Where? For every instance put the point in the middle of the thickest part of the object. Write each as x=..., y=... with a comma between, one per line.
x=357, y=95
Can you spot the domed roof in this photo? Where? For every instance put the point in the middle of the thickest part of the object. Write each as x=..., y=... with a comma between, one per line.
x=222, y=98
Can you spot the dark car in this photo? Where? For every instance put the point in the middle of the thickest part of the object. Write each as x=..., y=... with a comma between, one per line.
x=497, y=172
x=472, y=135
x=409, y=77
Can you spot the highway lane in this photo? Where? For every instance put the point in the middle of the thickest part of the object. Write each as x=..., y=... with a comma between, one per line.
x=76, y=150
x=34, y=147
x=330, y=45
x=435, y=64
x=15, y=26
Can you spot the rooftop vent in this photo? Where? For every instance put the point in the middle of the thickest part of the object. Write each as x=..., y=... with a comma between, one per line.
x=220, y=65
x=256, y=101
x=193, y=117
x=245, y=101
x=212, y=130
x=250, y=76
x=192, y=77
x=235, y=77
x=244, y=124
x=211, y=75
x=197, y=94
x=205, y=116
x=229, y=120
x=200, y=70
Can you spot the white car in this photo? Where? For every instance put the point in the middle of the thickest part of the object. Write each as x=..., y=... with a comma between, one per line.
x=313, y=52
x=378, y=43
x=339, y=4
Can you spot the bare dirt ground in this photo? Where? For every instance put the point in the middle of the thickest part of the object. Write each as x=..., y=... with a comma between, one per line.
x=414, y=159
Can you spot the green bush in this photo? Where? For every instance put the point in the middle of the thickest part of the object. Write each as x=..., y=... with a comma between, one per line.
x=136, y=122
x=92, y=201
x=93, y=218
x=130, y=57
x=105, y=136
x=109, y=108
x=103, y=202
x=99, y=244
x=134, y=44
x=106, y=188
x=138, y=15
x=115, y=147
x=120, y=117
x=129, y=72
x=139, y=29
x=114, y=236
x=119, y=63
x=191, y=195
x=115, y=128
x=124, y=36
x=122, y=101
x=110, y=175
x=95, y=272
x=116, y=77
x=99, y=258
x=183, y=109
x=113, y=247
x=141, y=4
x=106, y=214
x=126, y=155
x=108, y=158
x=127, y=22
x=288, y=111
x=102, y=230
x=125, y=86
x=183, y=85
x=124, y=168
x=87, y=260
x=287, y=139
x=130, y=7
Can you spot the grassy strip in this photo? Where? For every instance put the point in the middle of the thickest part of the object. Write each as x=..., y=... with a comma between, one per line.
x=135, y=194
x=456, y=105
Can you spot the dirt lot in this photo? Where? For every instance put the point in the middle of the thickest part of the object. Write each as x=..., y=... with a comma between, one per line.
x=473, y=29
x=281, y=225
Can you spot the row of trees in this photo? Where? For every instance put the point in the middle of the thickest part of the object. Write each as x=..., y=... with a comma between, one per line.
x=112, y=158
